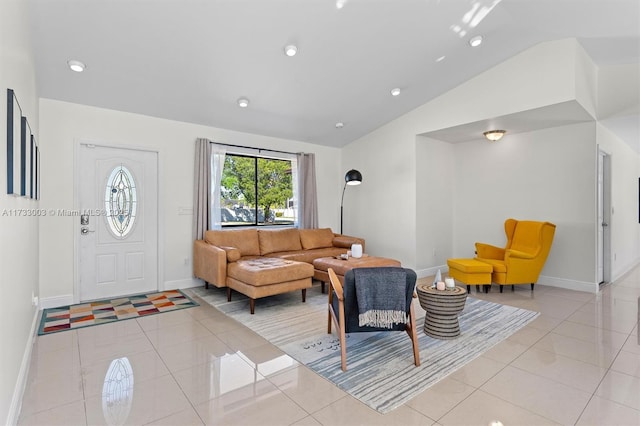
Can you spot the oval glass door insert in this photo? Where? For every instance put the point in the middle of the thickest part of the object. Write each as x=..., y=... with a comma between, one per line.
x=120, y=201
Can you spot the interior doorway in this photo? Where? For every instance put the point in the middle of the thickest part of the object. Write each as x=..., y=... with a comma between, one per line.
x=604, y=218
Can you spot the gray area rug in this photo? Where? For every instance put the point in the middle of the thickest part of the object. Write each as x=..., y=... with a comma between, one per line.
x=380, y=365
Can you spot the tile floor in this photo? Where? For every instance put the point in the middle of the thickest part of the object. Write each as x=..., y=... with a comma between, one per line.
x=578, y=363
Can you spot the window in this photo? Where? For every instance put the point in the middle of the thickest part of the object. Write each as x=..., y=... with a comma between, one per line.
x=257, y=191
x=120, y=201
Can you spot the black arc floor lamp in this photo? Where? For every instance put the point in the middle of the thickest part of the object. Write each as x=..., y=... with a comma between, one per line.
x=353, y=177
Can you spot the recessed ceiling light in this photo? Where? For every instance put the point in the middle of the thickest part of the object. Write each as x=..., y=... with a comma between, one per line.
x=441, y=58
x=395, y=92
x=243, y=102
x=290, y=50
x=340, y=3
x=475, y=41
x=339, y=125
x=76, y=66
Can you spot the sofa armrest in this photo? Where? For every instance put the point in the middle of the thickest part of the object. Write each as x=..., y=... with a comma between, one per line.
x=345, y=241
x=487, y=251
x=233, y=253
x=210, y=263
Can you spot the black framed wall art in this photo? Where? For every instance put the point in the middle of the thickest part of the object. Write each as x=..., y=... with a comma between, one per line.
x=14, y=142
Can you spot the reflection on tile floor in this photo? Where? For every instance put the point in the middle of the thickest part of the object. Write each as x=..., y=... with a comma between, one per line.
x=578, y=363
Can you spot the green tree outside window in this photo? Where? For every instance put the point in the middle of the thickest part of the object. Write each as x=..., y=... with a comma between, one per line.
x=252, y=187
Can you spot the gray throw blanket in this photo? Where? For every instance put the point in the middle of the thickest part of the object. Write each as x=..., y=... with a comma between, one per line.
x=381, y=296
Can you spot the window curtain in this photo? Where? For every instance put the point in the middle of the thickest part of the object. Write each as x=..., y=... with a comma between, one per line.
x=217, y=166
x=209, y=162
x=307, y=192
x=202, y=188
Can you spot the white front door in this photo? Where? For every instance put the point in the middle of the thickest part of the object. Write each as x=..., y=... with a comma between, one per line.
x=118, y=218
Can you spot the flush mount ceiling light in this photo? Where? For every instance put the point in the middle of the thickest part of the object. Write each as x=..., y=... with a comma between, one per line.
x=475, y=41
x=339, y=125
x=76, y=66
x=290, y=50
x=395, y=92
x=243, y=102
x=494, y=135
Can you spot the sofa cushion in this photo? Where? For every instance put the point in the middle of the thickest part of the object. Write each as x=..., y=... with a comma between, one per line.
x=469, y=266
x=277, y=240
x=309, y=256
x=498, y=265
x=316, y=238
x=245, y=240
x=346, y=242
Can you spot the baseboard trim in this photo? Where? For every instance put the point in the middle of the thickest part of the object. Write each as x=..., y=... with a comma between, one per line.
x=432, y=271
x=67, y=299
x=23, y=374
x=568, y=284
x=180, y=284
x=542, y=280
x=625, y=270
x=55, y=301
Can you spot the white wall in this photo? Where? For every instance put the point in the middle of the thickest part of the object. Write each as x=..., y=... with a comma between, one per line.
x=63, y=125
x=18, y=234
x=619, y=101
x=619, y=90
x=548, y=174
x=387, y=164
x=586, y=81
x=619, y=109
x=435, y=189
x=543, y=75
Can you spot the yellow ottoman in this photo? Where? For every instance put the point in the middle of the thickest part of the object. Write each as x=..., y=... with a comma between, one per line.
x=471, y=272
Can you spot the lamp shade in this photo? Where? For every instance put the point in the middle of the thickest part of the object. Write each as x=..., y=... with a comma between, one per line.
x=353, y=177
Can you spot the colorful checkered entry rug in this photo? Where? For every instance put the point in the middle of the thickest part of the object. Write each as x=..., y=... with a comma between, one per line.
x=110, y=310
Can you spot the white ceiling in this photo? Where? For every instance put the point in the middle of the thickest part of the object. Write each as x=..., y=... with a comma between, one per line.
x=190, y=60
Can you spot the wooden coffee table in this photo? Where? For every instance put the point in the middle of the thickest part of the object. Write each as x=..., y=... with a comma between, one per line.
x=340, y=266
x=441, y=310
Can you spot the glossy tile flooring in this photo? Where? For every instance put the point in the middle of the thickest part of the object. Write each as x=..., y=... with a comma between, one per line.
x=577, y=363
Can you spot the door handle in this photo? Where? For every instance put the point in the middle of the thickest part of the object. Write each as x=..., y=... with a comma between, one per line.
x=85, y=230
x=605, y=224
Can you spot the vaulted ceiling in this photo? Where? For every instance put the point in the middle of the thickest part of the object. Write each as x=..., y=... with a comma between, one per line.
x=191, y=60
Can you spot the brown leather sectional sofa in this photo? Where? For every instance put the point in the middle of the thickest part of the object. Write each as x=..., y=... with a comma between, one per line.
x=264, y=262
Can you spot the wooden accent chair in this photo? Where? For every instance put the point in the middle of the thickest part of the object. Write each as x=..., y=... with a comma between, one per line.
x=343, y=309
x=522, y=259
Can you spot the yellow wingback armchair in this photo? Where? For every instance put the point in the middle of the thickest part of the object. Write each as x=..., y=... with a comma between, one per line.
x=522, y=259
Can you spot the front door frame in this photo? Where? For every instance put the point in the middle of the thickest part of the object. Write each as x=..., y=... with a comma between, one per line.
x=76, y=208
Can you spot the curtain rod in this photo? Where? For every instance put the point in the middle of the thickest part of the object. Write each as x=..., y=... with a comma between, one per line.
x=258, y=149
